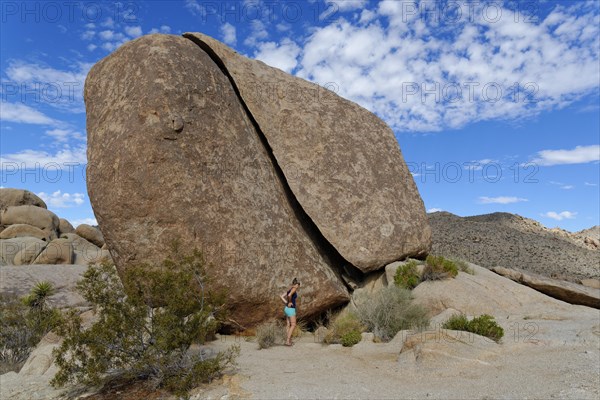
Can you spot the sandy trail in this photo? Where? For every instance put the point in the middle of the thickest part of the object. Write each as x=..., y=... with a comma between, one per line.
x=509, y=370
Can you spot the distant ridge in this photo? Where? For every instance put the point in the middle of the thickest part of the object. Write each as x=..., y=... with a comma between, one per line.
x=513, y=241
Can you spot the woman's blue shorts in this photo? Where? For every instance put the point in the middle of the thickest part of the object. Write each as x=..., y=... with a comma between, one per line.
x=289, y=311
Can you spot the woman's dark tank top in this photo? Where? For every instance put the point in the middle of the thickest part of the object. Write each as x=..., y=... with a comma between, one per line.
x=293, y=298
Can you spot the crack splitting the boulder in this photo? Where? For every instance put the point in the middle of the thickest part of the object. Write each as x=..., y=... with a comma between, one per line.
x=324, y=247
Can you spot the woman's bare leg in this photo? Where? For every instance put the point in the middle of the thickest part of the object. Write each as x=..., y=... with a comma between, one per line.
x=291, y=326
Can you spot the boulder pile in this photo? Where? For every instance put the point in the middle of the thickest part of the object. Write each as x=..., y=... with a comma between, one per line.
x=31, y=234
x=271, y=176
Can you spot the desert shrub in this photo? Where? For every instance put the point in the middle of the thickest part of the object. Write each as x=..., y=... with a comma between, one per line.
x=389, y=311
x=23, y=323
x=198, y=368
x=407, y=276
x=41, y=317
x=269, y=333
x=15, y=335
x=438, y=268
x=350, y=338
x=458, y=322
x=145, y=326
x=343, y=325
x=484, y=325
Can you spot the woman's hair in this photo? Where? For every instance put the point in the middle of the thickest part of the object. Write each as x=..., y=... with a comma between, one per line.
x=295, y=281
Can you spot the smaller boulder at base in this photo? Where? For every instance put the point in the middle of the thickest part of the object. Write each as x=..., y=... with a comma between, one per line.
x=29, y=252
x=58, y=251
x=24, y=230
x=90, y=234
x=9, y=248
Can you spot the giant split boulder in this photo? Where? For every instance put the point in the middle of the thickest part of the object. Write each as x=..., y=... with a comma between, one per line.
x=342, y=162
x=269, y=186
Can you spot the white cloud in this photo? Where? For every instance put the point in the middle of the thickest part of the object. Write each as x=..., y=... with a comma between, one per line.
x=258, y=32
x=58, y=88
x=91, y=47
x=562, y=185
x=283, y=55
x=64, y=158
x=559, y=216
x=194, y=7
x=62, y=200
x=88, y=221
x=108, y=46
x=432, y=210
x=111, y=35
x=367, y=16
x=477, y=165
x=64, y=135
x=590, y=184
x=162, y=29
x=578, y=155
x=88, y=35
x=501, y=200
x=229, y=34
x=283, y=27
x=21, y=113
x=133, y=31
x=387, y=62
x=108, y=23
x=347, y=5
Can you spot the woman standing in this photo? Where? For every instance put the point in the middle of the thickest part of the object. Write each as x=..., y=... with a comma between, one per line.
x=289, y=298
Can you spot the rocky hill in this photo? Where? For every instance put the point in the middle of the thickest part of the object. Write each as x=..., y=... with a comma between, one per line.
x=509, y=240
x=593, y=232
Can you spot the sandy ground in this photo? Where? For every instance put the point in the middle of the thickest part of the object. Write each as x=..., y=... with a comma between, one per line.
x=510, y=370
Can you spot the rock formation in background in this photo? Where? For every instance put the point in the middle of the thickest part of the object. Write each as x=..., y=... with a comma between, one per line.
x=559, y=289
x=19, y=197
x=294, y=182
x=509, y=240
x=31, y=234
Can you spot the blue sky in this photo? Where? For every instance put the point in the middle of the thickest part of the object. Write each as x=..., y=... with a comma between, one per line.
x=495, y=104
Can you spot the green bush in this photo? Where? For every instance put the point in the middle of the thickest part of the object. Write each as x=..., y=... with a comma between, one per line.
x=407, y=276
x=23, y=323
x=268, y=333
x=484, y=325
x=343, y=325
x=15, y=335
x=438, y=268
x=145, y=326
x=458, y=322
x=351, y=338
x=389, y=311
x=41, y=317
